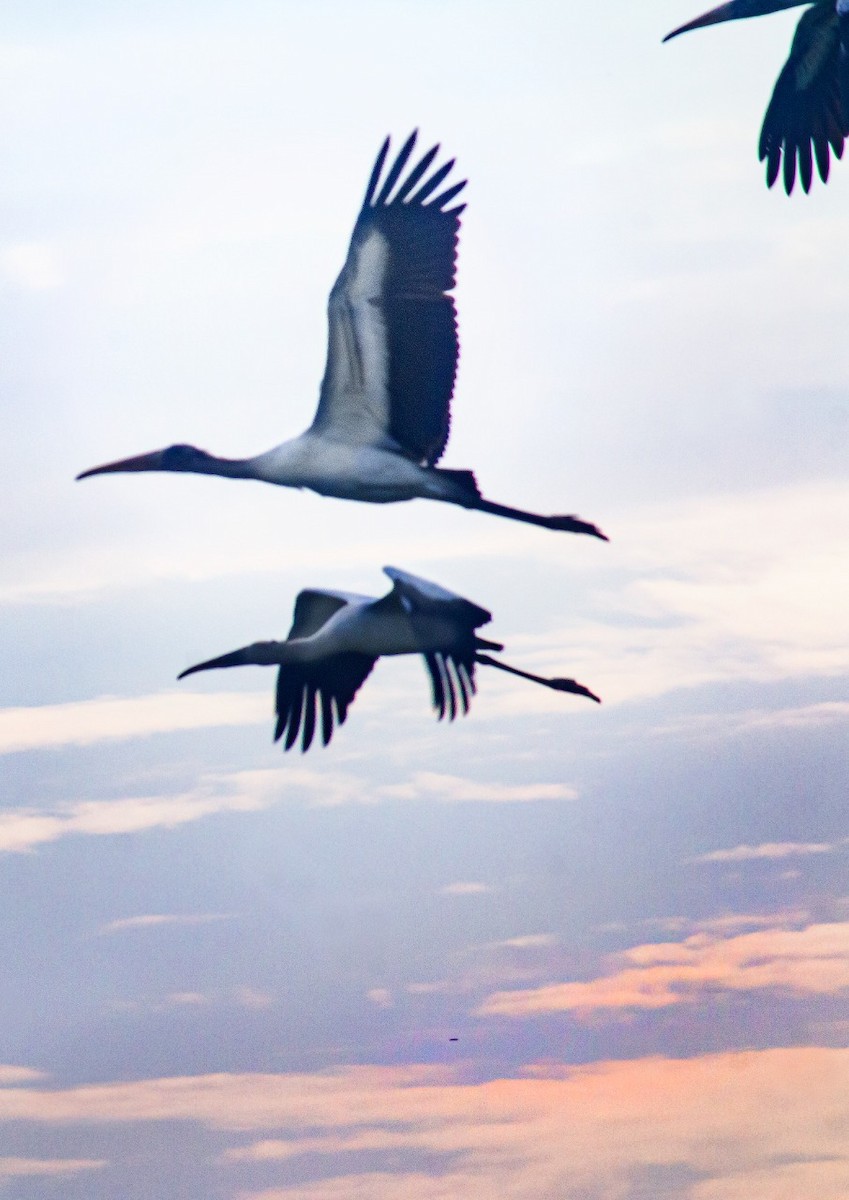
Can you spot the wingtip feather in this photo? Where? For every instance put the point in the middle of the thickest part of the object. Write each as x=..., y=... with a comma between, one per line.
x=375, y=172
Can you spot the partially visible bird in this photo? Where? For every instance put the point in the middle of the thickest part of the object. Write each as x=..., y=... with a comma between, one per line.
x=809, y=109
x=337, y=637
x=383, y=415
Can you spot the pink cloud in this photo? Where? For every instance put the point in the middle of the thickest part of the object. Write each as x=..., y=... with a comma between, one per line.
x=745, y=1123
x=809, y=961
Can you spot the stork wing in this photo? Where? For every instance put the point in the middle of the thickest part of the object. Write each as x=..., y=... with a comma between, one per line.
x=392, y=346
x=332, y=681
x=314, y=607
x=807, y=111
x=423, y=595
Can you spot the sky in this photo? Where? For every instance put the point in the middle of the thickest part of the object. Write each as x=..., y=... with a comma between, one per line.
x=552, y=951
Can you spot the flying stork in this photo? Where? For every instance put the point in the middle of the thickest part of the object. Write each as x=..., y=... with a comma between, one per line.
x=337, y=637
x=809, y=109
x=383, y=414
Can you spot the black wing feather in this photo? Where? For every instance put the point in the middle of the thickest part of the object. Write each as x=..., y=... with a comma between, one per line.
x=329, y=681
x=416, y=174
x=433, y=183
x=806, y=110
x=375, y=173
x=396, y=169
x=439, y=666
x=420, y=315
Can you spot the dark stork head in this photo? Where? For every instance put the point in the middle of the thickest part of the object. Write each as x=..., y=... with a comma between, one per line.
x=173, y=458
x=735, y=10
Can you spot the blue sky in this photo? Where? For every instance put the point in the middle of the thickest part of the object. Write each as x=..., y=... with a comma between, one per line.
x=236, y=974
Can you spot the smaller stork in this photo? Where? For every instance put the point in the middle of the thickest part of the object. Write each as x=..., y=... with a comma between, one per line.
x=337, y=637
x=809, y=109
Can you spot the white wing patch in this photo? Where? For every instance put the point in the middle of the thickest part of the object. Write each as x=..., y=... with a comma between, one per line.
x=355, y=393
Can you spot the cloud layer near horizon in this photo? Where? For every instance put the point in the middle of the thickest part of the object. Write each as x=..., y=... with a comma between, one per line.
x=750, y=1122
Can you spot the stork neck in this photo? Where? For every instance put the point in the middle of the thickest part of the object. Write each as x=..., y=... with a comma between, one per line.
x=231, y=468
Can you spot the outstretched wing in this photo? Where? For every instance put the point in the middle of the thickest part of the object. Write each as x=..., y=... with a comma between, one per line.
x=422, y=595
x=452, y=669
x=806, y=114
x=392, y=346
x=325, y=687
x=314, y=607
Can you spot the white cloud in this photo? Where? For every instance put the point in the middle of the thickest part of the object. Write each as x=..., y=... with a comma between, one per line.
x=381, y=997
x=24, y=829
x=152, y=920
x=329, y=788
x=24, y=1168
x=469, y=888
x=10, y=1075
x=723, y=588
x=86, y=722
x=765, y=850
x=809, y=716
x=187, y=999
x=528, y=941
x=454, y=789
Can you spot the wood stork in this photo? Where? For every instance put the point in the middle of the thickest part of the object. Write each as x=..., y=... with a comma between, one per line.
x=337, y=637
x=383, y=415
x=809, y=109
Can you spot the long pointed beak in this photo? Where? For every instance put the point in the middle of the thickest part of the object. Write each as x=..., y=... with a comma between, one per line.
x=236, y=658
x=141, y=462
x=258, y=654
x=732, y=11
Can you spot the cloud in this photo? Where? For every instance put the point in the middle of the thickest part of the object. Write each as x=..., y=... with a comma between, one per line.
x=152, y=920
x=19, y=1168
x=768, y=850
x=810, y=961
x=242, y=996
x=253, y=998
x=190, y=999
x=88, y=721
x=732, y=921
x=329, y=788
x=23, y=829
x=10, y=1075
x=528, y=941
x=485, y=965
x=469, y=888
x=809, y=716
x=734, y=1122
x=721, y=588
x=454, y=789
x=381, y=997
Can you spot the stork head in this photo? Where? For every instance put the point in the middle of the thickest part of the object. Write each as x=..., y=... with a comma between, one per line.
x=735, y=10
x=173, y=458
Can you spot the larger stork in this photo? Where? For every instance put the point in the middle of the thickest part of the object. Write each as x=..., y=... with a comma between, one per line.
x=337, y=637
x=809, y=110
x=384, y=408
